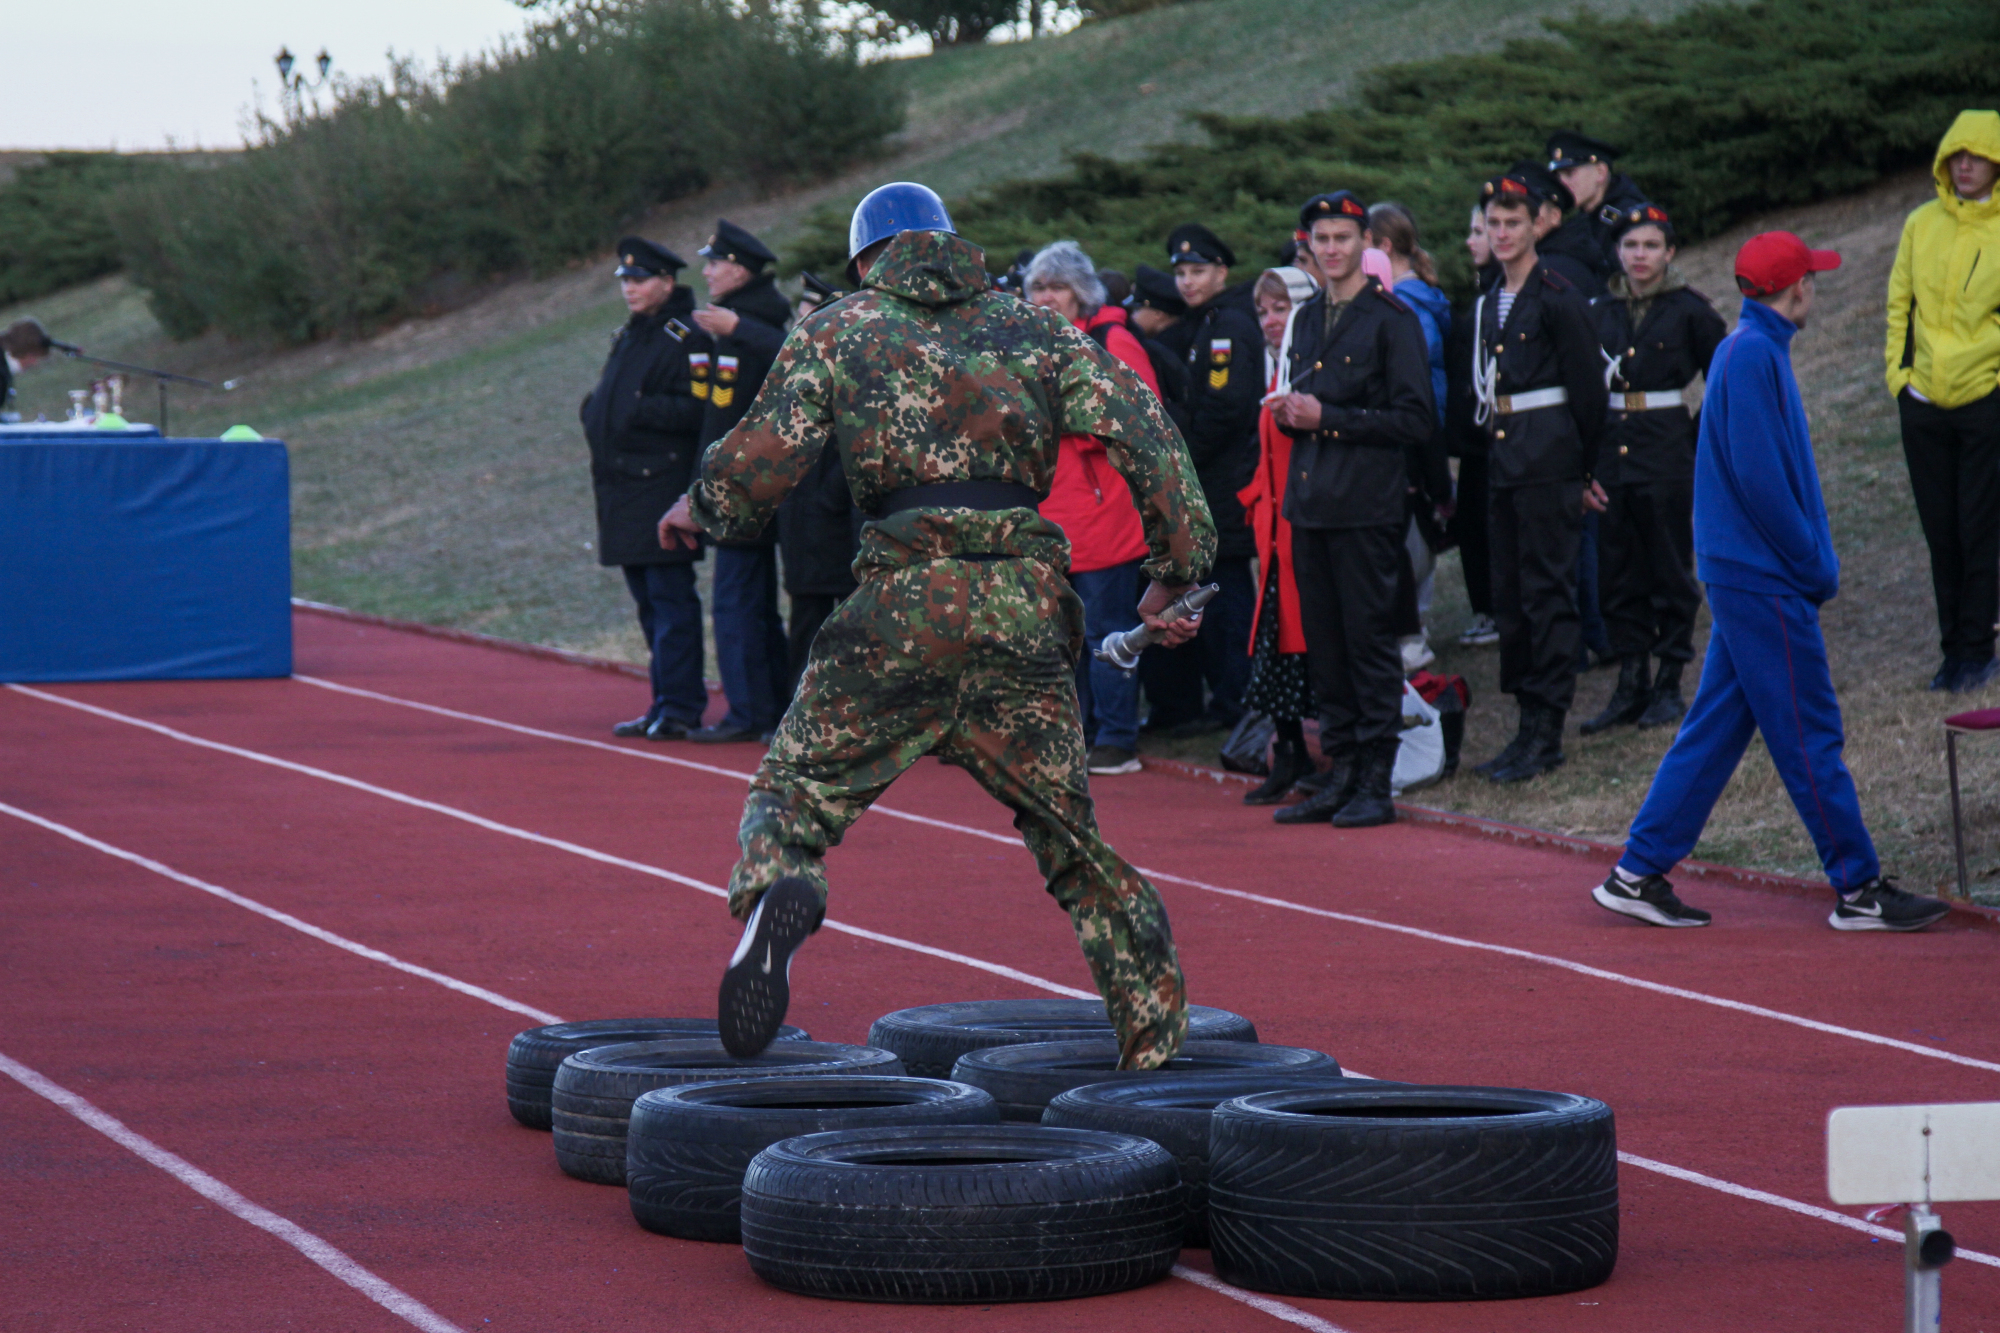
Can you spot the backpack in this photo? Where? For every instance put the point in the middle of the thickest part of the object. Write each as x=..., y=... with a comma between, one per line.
x=1171, y=372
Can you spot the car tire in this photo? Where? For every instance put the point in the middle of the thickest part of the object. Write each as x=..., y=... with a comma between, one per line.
x=1413, y=1193
x=930, y=1038
x=1172, y=1110
x=962, y=1215
x=1024, y=1079
x=687, y=1147
x=533, y=1056
x=591, y=1103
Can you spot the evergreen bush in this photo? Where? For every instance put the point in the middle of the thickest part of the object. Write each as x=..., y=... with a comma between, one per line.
x=53, y=229
x=515, y=161
x=1723, y=111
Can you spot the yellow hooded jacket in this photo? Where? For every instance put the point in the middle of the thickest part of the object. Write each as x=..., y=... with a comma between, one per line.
x=1947, y=274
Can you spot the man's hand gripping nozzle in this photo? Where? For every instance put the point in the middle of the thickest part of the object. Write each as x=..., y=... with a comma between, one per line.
x=1122, y=648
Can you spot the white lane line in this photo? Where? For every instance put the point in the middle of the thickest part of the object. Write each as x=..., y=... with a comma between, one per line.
x=1547, y=960
x=1678, y=1173
x=389, y=1297
x=1790, y=1205
x=283, y=918
x=541, y=839
x=1291, y=1314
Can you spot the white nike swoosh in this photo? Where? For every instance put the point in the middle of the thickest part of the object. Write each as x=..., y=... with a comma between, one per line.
x=1873, y=909
x=767, y=956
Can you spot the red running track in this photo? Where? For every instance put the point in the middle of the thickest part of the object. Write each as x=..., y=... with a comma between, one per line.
x=362, y=1103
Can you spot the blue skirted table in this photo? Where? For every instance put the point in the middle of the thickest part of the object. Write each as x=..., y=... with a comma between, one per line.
x=143, y=558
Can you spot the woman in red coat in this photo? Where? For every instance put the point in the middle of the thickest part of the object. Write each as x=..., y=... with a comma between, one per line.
x=1279, y=684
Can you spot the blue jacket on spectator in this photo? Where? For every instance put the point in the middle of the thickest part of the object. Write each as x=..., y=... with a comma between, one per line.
x=1759, y=518
x=1433, y=309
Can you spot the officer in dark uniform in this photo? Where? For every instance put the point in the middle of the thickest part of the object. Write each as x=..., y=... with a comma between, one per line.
x=1602, y=195
x=746, y=318
x=1564, y=250
x=1659, y=333
x=1539, y=381
x=1359, y=400
x=818, y=527
x=1224, y=348
x=643, y=423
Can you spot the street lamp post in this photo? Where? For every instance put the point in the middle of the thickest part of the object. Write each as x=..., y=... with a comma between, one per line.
x=293, y=86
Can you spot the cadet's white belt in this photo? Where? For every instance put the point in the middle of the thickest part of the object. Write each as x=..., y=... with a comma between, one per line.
x=1508, y=404
x=1651, y=401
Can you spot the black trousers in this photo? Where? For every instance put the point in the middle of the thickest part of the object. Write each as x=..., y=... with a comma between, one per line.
x=809, y=612
x=1468, y=525
x=1645, y=570
x=1534, y=534
x=1954, y=458
x=1218, y=657
x=1347, y=599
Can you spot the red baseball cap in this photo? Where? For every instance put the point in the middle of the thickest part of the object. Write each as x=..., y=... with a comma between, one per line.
x=1774, y=260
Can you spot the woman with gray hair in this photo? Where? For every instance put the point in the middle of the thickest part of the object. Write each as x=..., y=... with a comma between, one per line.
x=1091, y=503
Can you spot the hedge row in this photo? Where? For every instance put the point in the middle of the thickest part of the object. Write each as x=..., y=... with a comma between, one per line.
x=1723, y=111
x=515, y=161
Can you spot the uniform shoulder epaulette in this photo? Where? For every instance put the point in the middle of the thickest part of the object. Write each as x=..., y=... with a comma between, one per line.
x=1556, y=280
x=1393, y=301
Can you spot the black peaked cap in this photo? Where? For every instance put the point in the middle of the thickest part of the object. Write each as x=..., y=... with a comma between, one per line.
x=1192, y=243
x=1571, y=148
x=1333, y=204
x=738, y=246
x=1153, y=288
x=1547, y=184
x=640, y=258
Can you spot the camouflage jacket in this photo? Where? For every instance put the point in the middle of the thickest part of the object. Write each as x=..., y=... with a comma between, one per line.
x=928, y=375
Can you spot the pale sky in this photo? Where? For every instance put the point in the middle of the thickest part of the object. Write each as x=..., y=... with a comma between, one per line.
x=136, y=74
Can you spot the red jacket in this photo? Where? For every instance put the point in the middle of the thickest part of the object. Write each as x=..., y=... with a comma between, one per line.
x=1088, y=499
x=1263, y=505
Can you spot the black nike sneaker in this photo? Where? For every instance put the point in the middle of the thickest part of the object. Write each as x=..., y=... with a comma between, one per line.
x=756, y=989
x=1880, y=905
x=1648, y=898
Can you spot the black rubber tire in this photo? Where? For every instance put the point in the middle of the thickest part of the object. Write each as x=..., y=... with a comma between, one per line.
x=1024, y=1079
x=591, y=1103
x=1413, y=1193
x=687, y=1148
x=962, y=1215
x=532, y=1057
x=930, y=1038
x=1173, y=1111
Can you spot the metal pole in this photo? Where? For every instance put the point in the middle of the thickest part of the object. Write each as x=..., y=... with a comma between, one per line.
x=1923, y=1305
x=1957, y=819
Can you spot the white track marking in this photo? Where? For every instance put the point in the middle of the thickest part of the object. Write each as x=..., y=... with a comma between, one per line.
x=284, y=918
x=1547, y=960
x=1303, y=1319
x=1291, y=1314
x=391, y=1298
x=1790, y=1205
x=541, y=839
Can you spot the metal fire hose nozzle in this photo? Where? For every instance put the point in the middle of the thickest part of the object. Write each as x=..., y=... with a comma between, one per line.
x=1122, y=649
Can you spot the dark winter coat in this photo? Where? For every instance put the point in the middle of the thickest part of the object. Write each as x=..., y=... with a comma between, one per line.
x=741, y=361
x=643, y=424
x=1225, y=358
x=1575, y=254
x=1549, y=341
x=1674, y=341
x=819, y=530
x=1372, y=377
x=1599, y=229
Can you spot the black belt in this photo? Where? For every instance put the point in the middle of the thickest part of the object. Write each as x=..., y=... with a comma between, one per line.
x=988, y=495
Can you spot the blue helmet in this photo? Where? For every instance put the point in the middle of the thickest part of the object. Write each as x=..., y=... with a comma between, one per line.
x=888, y=209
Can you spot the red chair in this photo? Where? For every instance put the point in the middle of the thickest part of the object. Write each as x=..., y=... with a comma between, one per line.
x=1963, y=724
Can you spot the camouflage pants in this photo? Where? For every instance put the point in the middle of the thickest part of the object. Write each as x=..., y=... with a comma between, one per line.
x=975, y=661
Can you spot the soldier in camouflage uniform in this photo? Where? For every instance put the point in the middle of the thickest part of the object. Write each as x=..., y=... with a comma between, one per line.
x=945, y=400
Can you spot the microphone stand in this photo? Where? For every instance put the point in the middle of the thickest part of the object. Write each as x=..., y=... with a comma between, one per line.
x=160, y=377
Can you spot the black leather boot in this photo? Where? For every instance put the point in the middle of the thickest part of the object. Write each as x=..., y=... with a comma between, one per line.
x=1289, y=763
x=1370, y=804
x=637, y=726
x=1665, y=708
x=1523, y=732
x=1544, y=750
x=1629, y=699
x=1340, y=781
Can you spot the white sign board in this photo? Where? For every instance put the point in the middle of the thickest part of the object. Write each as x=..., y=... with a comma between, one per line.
x=1913, y=1154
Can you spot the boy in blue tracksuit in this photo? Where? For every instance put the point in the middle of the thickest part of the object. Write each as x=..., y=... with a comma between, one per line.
x=1763, y=547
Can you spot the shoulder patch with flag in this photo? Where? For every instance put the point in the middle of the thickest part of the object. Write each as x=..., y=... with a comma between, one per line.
x=725, y=381
x=1218, y=363
x=698, y=372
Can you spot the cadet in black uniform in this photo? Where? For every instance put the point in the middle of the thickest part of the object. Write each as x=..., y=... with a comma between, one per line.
x=818, y=529
x=1602, y=196
x=747, y=320
x=1359, y=401
x=643, y=423
x=1659, y=333
x=1560, y=248
x=1539, y=379
x=1225, y=359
